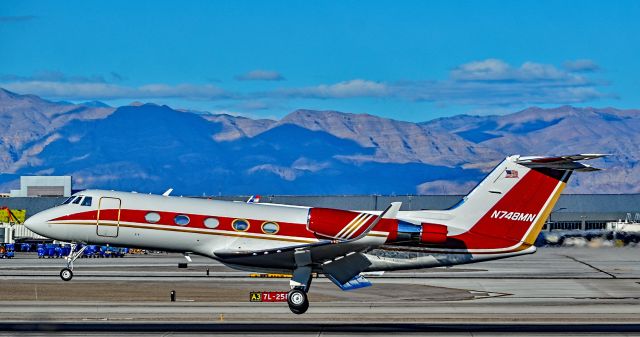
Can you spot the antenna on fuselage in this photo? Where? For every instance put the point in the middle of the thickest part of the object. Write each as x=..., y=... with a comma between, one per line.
x=167, y=192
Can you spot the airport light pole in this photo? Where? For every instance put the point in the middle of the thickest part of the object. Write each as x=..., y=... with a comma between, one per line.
x=549, y=218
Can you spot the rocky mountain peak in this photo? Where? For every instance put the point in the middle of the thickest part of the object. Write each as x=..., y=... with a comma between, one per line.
x=5, y=94
x=30, y=121
x=305, y=152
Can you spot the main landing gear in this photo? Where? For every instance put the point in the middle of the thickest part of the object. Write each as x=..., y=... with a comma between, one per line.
x=300, y=283
x=66, y=274
x=298, y=301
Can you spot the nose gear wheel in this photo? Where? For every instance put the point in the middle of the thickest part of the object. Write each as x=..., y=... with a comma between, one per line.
x=66, y=274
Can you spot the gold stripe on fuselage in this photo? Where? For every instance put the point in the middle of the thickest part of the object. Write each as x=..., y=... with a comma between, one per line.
x=195, y=231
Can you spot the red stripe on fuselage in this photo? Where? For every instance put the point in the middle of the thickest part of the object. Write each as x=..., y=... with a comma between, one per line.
x=195, y=221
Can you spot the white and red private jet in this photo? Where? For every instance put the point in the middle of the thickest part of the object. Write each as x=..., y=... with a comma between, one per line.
x=501, y=217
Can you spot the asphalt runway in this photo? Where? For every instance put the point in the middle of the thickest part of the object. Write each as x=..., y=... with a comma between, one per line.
x=556, y=290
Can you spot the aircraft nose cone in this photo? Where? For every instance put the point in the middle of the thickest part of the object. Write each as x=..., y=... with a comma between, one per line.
x=36, y=223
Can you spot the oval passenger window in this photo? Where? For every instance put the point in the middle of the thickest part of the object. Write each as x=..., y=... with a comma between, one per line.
x=181, y=220
x=270, y=227
x=240, y=225
x=211, y=222
x=152, y=217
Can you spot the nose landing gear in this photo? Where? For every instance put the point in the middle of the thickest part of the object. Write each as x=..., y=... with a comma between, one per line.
x=66, y=274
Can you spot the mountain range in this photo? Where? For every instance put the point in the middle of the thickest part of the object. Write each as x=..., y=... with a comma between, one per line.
x=148, y=147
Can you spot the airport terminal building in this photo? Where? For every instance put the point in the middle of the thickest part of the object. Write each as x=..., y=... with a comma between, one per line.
x=572, y=212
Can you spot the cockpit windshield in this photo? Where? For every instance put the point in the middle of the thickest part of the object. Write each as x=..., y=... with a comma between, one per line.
x=86, y=201
x=78, y=200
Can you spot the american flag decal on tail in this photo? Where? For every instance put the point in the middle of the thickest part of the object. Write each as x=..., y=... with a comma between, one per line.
x=511, y=174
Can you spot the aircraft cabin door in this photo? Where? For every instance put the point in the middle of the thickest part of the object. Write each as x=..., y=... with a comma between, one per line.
x=108, y=219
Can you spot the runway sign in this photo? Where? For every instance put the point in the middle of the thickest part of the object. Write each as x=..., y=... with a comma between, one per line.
x=268, y=296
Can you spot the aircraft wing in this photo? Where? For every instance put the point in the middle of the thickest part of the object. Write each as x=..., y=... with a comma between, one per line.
x=389, y=213
x=237, y=254
x=340, y=258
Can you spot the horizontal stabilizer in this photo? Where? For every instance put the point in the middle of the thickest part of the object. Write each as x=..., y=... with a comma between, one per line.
x=570, y=162
x=356, y=282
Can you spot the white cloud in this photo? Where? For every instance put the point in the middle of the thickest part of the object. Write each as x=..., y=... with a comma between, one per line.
x=498, y=70
x=484, y=93
x=489, y=69
x=260, y=75
x=483, y=83
x=105, y=91
x=581, y=65
x=531, y=71
x=346, y=89
x=490, y=82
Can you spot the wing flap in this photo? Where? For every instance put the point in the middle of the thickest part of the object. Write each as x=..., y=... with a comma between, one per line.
x=343, y=269
x=357, y=282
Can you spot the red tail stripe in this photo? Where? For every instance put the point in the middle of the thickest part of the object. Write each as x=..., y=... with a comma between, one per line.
x=528, y=196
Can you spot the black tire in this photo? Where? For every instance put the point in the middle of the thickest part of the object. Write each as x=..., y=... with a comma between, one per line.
x=298, y=301
x=66, y=274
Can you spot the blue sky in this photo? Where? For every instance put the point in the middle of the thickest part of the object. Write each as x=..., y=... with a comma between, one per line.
x=409, y=60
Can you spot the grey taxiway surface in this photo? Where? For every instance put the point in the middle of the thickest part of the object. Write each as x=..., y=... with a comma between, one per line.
x=557, y=290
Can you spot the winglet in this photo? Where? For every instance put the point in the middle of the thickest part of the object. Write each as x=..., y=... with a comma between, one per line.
x=167, y=192
x=392, y=211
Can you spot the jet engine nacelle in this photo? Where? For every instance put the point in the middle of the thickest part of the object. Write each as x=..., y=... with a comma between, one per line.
x=344, y=225
x=328, y=222
x=424, y=233
x=432, y=233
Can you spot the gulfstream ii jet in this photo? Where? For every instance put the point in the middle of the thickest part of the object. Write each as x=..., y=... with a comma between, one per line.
x=501, y=217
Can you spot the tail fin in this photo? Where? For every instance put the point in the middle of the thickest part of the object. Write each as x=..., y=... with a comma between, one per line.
x=508, y=208
x=254, y=199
